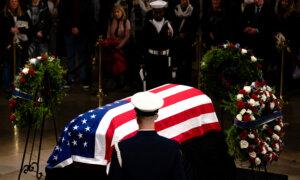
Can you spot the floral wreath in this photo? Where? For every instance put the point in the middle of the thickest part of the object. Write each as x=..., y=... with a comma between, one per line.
x=258, y=130
x=37, y=90
x=227, y=67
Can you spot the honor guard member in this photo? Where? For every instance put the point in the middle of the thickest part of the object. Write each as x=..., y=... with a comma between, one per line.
x=157, y=40
x=147, y=155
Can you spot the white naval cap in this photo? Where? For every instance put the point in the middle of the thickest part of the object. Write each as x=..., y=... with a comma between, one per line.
x=158, y=4
x=147, y=101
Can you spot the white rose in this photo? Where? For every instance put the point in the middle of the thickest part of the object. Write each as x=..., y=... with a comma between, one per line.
x=268, y=139
x=39, y=57
x=256, y=103
x=269, y=88
x=33, y=61
x=252, y=154
x=244, y=51
x=239, y=96
x=251, y=136
x=25, y=70
x=253, y=84
x=277, y=128
x=243, y=111
x=251, y=102
x=263, y=106
x=253, y=59
x=275, y=137
x=257, y=161
x=244, y=144
x=225, y=45
x=252, y=118
x=272, y=105
x=203, y=64
x=239, y=117
x=264, y=88
x=267, y=93
x=274, y=97
x=247, y=89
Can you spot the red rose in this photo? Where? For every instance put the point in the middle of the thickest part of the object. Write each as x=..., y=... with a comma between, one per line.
x=231, y=46
x=255, y=110
x=240, y=104
x=246, y=117
x=22, y=80
x=12, y=103
x=12, y=117
x=258, y=66
x=31, y=72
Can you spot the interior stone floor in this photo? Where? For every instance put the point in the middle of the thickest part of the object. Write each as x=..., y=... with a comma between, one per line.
x=12, y=140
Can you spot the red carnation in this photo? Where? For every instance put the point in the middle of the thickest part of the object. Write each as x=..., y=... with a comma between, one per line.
x=253, y=96
x=31, y=72
x=246, y=117
x=12, y=117
x=242, y=91
x=243, y=135
x=12, y=103
x=240, y=104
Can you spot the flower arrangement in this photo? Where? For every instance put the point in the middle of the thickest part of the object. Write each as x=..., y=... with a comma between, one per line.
x=258, y=132
x=38, y=89
x=226, y=68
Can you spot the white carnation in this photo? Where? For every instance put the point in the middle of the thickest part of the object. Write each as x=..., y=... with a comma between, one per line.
x=267, y=93
x=265, y=126
x=272, y=105
x=25, y=70
x=269, y=88
x=264, y=97
x=244, y=144
x=251, y=136
x=239, y=96
x=257, y=161
x=243, y=111
x=253, y=84
x=247, y=89
x=249, y=111
x=251, y=102
x=244, y=51
x=274, y=97
x=263, y=151
x=263, y=106
x=252, y=118
x=239, y=117
x=225, y=45
x=276, y=147
x=39, y=57
x=270, y=149
x=268, y=139
x=256, y=103
x=252, y=154
x=33, y=61
x=277, y=128
x=253, y=59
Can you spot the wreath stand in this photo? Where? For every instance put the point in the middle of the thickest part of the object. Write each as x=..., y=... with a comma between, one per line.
x=34, y=166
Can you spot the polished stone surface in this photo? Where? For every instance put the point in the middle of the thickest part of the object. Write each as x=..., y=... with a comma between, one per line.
x=77, y=101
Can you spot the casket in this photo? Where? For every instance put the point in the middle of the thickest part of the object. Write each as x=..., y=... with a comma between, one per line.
x=187, y=116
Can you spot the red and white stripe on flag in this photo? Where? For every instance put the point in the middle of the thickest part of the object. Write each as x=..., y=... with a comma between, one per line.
x=187, y=113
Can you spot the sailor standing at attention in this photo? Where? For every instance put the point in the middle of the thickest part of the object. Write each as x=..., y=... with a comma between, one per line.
x=147, y=155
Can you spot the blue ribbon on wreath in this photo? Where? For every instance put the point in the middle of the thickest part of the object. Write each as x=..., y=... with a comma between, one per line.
x=22, y=95
x=263, y=120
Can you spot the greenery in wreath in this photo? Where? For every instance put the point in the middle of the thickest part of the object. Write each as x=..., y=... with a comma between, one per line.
x=227, y=68
x=38, y=89
x=258, y=131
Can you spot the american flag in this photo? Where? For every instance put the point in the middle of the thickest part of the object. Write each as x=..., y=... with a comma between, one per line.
x=89, y=138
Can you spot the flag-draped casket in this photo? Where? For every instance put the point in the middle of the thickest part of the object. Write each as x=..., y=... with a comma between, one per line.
x=89, y=138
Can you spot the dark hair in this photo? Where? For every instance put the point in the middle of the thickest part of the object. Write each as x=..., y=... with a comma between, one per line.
x=145, y=114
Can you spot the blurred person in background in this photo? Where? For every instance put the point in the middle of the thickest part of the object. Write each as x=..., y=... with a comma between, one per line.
x=15, y=26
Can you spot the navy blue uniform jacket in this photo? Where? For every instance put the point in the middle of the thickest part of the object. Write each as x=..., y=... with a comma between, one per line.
x=147, y=156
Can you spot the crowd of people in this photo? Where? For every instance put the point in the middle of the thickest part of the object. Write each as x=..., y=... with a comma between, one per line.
x=158, y=38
